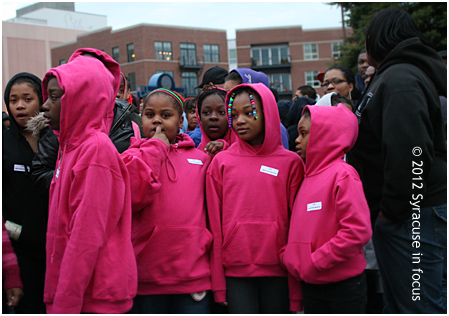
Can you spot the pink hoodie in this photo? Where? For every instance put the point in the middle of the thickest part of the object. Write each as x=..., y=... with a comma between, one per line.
x=250, y=193
x=170, y=237
x=91, y=266
x=331, y=219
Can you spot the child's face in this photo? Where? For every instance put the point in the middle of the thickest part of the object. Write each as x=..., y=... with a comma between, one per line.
x=23, y=103
x=303, y=138
x=158, y=110
x=122, y=93
x=243, y=122
x=52, y=105
x=191, y=119
x=213, y=117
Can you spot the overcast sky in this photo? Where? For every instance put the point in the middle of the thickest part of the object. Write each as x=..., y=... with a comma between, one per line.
x=229, y=15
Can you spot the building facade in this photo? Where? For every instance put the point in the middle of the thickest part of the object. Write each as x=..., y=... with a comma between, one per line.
x=146, y=49
x=28, y=38
x=290, y=56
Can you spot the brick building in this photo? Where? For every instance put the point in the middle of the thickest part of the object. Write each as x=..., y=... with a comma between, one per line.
x=290, y=56
x=146, y=49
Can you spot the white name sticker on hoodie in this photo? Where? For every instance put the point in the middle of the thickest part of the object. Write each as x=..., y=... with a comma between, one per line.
x=314, y=206
x=268, y=170
x=195, y=161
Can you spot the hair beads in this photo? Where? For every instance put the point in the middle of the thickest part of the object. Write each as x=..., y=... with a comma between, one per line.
x=231, y=99
x=253, y=104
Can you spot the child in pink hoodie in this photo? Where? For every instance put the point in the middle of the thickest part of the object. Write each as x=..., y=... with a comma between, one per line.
x=250, y=191
x=170, y=238
x=330, y=223
x=213, y=120
x=91, y=266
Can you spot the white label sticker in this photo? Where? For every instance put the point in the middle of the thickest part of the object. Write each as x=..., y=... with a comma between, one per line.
x=269, y=170
x=314, y=206
x=57, y=173
x=195, y=161
x=19, y=168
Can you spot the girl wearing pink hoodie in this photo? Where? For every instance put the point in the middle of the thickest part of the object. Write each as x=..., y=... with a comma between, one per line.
x=250, y=191
x=213, y=120
x=170, y=238
x=91, y=266
x=330, y=223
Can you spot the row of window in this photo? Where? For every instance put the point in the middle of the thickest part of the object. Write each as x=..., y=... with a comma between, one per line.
x=261, y=56
x=163, y=51
x=279, y=55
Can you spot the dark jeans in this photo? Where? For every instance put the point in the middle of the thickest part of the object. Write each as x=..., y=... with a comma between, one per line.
x=32, y=274
x=171, y=304
x=413, y=278
x=257, y=295
x=344, y=297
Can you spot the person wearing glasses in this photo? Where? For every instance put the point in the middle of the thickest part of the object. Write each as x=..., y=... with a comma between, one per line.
x=340, y=79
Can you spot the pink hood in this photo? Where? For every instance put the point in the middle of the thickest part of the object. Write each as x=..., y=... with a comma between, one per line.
x=273, y=139
x=89, y=222
x=250, y=194
x=169, y=233
x=331, y=136
x=330, y=220
x=76, y=76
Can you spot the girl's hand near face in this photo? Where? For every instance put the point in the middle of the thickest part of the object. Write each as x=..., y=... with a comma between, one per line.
x=213, y=147
x=159, y=135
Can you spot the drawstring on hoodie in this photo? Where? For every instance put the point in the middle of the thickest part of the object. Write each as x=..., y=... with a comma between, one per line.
x=61, y=155
x=175, y=146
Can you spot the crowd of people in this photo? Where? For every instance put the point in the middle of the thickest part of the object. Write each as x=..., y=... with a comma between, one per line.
x=232, y=201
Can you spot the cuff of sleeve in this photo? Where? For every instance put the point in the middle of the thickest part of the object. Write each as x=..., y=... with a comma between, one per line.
x=12, y=278
x=296, y=305
x=220, y=296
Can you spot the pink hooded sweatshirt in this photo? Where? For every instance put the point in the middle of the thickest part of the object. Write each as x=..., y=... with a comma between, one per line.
x=227, y=140
x=331, y=219
x=170, y=238
x=250, y=194
x=91, y=267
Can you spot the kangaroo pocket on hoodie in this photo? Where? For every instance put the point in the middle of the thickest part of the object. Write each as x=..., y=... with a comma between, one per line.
x=175, y=253
x=298, y=260
x=252, y=243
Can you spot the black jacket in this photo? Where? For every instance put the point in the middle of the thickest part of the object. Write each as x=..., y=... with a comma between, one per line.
x=122, y=129
x=23, y=203
x=400, y=152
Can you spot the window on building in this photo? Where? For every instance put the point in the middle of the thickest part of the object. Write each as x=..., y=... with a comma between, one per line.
x=130, y=50
x=336, y=49
x=310, y=51
x=311, y=79
x=270, y=56
x=165, y=72
x=132, y=80
x=62, y=61
x=116, y=53
x=281, y=82
x=232, y=56
x=163, y=50
x=188, y=54
x=211, y=53
x=189, y=82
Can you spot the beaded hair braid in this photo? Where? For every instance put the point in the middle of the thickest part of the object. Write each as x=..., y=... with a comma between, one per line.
x=231, y=100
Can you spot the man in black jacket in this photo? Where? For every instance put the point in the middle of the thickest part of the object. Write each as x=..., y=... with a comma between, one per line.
x=400, y=155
